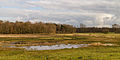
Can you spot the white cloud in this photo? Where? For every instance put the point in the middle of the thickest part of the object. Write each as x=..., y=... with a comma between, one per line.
x=89, y=12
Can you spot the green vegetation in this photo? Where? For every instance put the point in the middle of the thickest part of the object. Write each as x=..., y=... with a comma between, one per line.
x=89, y=53
x=83, y=53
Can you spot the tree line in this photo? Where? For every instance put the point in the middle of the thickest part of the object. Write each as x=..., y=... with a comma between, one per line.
x=83, y=29
x=97, y=30
x=33, y=28
x=18, y=27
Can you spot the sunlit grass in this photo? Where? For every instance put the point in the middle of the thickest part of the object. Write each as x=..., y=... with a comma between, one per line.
x=89, y=53
x=85, y=53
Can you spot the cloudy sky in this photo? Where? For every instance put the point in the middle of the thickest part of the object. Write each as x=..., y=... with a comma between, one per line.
x=100, y=13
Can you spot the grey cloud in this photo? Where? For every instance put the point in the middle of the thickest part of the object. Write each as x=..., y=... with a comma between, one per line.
x=90, y=12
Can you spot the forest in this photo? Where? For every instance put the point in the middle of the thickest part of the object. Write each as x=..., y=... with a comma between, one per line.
x=28, y=27
x=17, y=27
x=97, y=30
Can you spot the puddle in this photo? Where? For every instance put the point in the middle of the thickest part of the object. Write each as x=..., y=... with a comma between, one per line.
x=60, y=46
x=52, y=47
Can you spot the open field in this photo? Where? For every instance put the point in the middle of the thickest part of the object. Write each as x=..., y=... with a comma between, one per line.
x=96, y=51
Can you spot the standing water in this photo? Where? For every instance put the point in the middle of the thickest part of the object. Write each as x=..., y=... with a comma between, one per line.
x=52, y=47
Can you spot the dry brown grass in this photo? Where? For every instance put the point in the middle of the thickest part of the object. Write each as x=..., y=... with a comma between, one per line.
x=24, y=35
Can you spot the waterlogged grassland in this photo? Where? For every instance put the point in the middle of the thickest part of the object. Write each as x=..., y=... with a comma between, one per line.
x=83, y=53
x=62, y=39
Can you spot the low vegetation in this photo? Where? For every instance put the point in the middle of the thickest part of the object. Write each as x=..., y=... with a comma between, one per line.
x=97, y=51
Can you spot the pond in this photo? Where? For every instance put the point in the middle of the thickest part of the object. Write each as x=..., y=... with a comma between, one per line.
x=52, y=47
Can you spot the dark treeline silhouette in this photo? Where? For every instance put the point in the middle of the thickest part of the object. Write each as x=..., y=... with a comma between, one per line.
x=83, y=29
x=97, y=30
x=32, y=28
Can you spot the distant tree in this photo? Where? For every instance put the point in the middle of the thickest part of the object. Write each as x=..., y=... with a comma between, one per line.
x=17, y=27
x=115, y=26
x=82, y=25
x=105, y=31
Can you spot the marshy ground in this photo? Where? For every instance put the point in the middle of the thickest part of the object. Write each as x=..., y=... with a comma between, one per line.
x=101, y=46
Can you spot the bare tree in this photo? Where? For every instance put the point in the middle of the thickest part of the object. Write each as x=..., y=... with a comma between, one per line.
x=82, y=25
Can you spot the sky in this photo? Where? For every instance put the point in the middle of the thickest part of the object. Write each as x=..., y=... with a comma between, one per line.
x=97, y=13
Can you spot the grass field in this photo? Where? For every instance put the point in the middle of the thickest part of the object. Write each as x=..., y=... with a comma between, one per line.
x=93, y=52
